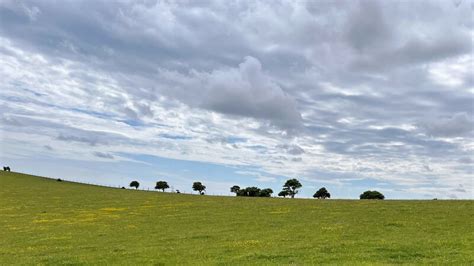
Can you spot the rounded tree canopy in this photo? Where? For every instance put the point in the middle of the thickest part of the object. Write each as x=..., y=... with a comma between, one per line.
x=372, y=195
x=322, y=193
x=134, y=184
x=162, y=185
x=234, y=189
x=292, y=184
x=198, y=186
x=266, y=192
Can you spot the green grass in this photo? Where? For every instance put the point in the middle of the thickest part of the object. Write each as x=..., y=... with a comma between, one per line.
x=43, y=221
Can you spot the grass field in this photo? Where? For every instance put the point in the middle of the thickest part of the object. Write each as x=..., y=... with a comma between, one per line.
x=43, y=221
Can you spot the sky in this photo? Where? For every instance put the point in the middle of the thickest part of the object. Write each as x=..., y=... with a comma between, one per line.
x=349, y=95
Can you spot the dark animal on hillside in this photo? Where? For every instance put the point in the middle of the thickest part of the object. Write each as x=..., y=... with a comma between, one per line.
x=123, y=187
x=177, y=191
x=59, y=180
x=6, y=168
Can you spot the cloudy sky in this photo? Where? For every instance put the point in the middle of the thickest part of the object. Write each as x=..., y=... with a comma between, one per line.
x=343, y=94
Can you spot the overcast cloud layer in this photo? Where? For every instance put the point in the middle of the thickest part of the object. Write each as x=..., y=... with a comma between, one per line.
x=333, y=93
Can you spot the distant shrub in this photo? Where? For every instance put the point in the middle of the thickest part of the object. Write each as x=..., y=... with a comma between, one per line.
x=162, y=185
x=322, y=193
x=242, y=192
x=199, y=187
x=372, y=195
x=59, y=180
x=253, y=192
x=283, y=193
x=135, y=184
x=266, y=192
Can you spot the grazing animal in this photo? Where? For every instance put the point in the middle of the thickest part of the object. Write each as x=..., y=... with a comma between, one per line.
x=177, y=191
x=59, y=180
x=6, y=168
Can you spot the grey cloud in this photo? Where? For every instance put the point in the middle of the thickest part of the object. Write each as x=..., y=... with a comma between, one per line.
x=413, y=52
x=49, y=148
x=365, y=142
x=244, y=91
x=456, y=125
x=292, y=149
x=91, y=140
x=12, y=121
x=103, y=155
x=465, y=160
x=367, y=28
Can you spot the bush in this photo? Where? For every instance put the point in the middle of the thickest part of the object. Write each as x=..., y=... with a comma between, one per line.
x=266, y=192
x=162, y=185
x=199, y=187
x=372, y=195
x=134, y=184
x=322, y=193
x=254, y=192
x=283, y=193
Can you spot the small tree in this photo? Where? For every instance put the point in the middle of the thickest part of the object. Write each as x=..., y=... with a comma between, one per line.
x=198, y=186
x=322, y=193
x=266, y=192
x=292, y=186
x=135, y=184
x=162, y=185
x=283, y=193
x=235, y=189
x=372, y=195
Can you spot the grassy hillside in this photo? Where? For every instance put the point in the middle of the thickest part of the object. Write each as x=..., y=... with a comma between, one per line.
x=49, y=222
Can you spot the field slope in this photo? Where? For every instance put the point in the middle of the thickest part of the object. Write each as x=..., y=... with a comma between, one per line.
x=43, y=221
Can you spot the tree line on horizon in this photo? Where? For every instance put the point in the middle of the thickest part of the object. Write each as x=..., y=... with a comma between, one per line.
x=290, y=189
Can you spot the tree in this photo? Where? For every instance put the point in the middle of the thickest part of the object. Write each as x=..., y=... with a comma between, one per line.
x=198, y=186
x=253, y=191
x=322, y=193
x=135, y=184
x=292, y=186
x=266, y=192
x=162, y=185
x=283, y=193
x=372, y=195
x=242, y=192
x=235, y=189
